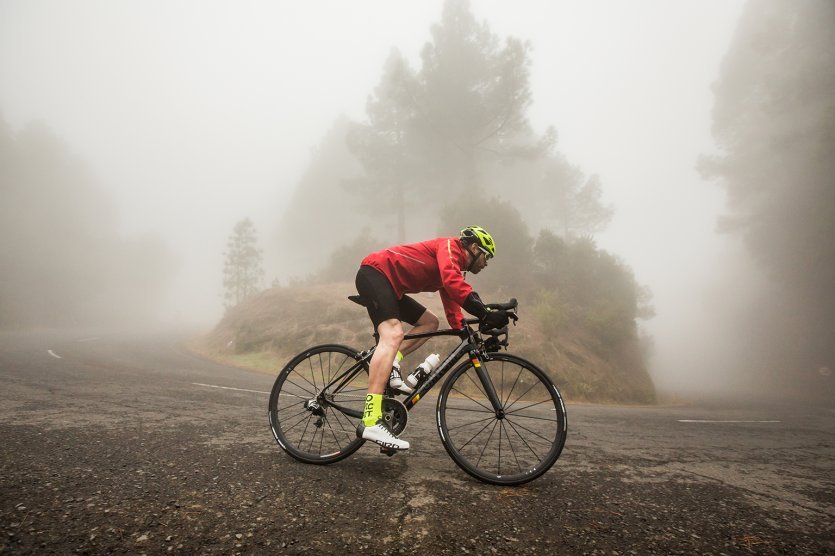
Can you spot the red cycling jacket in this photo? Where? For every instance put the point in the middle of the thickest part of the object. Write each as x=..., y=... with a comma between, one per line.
x=428, y=266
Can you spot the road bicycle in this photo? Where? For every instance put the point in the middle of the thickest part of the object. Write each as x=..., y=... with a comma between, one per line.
x=499, y=416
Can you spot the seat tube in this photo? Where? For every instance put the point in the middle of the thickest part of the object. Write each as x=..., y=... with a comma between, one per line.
x=486, y=382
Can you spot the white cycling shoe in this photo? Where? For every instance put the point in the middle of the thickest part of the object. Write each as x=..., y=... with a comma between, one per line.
x=381, y=435
x=397, y=383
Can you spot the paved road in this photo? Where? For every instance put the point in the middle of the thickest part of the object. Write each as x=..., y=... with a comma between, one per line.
x=123, y=443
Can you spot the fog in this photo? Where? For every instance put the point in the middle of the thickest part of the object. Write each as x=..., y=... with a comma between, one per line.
x=194, y=115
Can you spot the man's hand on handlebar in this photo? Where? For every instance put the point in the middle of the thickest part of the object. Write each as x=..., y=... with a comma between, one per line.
x=490, y=317
x=495, y=318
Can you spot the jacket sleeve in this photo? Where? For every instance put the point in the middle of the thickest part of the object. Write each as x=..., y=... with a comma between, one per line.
x=452, y=279
x=454, y=290
x=453, y=311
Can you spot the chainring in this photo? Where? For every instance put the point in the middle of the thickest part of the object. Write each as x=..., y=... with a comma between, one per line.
x=395, y=415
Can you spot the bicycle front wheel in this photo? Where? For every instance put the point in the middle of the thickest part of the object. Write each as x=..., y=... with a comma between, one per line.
x=514, y=445
x=316, y=403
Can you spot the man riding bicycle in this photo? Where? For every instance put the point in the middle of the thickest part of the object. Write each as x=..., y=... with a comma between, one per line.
x=384, y=279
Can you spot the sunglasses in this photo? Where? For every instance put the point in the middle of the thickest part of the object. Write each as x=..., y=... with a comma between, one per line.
x=487, y=254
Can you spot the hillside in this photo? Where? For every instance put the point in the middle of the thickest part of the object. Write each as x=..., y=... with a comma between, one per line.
x=267, y=330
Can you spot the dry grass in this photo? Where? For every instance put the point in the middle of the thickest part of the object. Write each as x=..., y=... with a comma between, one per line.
x=268, y=330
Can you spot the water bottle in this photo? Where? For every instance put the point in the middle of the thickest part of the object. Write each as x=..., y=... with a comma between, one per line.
x=423, y=370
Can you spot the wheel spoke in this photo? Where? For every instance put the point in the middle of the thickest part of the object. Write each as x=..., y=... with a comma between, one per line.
x=471, y=423
x=485, y=410
x=322, y=370
x=472, y=400
x=330, y=428
x=294, y=396
x=521, y=426
x=321, y=434
x=312, y=438
x=532, y=418
x=513, y=451
x=515, y=411
x=473, y=438
x=304, y=378
x=523, y=394
x=302, y=412
x=338, y=369
x=488, y=442
x=501, y=428
x=479, y=386
x=351, y=430
x=307, y=424
x=312, y=374
x=512, y=388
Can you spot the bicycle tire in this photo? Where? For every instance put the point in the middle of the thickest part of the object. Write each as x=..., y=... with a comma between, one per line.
x=323, y=434
x=531, y=430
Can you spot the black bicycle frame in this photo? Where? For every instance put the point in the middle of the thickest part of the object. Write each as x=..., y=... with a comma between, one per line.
x=467, y=345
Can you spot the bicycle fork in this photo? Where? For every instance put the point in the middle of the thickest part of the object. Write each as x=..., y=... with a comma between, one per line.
x=489, y=389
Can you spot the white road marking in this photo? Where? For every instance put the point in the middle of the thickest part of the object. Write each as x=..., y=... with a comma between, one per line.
x=727, y=421
x=228, y=388
x=53, y=354
x=88, y=339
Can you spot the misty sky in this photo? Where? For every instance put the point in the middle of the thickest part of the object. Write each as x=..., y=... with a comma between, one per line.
x=194, y=115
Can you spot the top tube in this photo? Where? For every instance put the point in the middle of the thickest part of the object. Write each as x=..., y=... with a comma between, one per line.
x=462, y=333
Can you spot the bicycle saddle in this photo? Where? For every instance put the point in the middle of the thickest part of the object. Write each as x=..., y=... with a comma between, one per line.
x=359, y=300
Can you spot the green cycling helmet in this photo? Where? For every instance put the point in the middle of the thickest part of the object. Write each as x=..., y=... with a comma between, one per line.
x=479, y=236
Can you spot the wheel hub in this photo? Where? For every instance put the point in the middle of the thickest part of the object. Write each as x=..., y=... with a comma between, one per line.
x=313, y=406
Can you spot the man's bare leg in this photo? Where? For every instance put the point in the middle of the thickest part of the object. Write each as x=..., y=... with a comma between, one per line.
x=427, y=322
x=391, y=338
x=371, y=428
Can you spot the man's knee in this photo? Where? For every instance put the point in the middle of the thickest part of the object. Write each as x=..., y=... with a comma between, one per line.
x=429, y=321
x=391, y=332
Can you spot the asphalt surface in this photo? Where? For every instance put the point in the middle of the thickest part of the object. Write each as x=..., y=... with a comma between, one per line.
x=119, y=443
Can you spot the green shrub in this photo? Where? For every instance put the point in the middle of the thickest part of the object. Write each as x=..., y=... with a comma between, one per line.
x=550, y=312
x=595, y=284
x=611, y=322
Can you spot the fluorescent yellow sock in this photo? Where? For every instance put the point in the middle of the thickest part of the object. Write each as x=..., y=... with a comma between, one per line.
x=373, y=409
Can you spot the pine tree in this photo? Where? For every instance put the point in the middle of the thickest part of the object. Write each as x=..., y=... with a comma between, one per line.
x=242, y=270
x=574, y=200
x=431, y=132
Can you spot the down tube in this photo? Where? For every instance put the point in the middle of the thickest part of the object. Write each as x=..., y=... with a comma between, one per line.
x=437, y=375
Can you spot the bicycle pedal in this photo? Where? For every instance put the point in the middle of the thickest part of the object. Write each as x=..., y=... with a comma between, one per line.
x=388, y=451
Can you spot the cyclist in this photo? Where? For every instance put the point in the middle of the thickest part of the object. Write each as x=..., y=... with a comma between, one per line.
x=384, y=279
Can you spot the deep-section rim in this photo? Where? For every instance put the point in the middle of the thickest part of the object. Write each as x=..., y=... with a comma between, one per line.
x=490, y=477
x=273, y=410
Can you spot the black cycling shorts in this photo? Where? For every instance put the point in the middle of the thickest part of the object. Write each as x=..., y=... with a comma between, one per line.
x=381, y=301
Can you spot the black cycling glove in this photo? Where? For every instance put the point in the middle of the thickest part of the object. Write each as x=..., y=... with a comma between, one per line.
x=490, y=318
x=495, y=318
x=475, y=306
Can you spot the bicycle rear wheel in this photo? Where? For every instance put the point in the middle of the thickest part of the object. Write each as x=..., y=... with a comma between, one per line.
x=312, y=401
x=512, y=446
